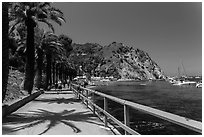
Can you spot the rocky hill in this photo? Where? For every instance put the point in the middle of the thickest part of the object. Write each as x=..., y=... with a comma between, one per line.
x=116, y=59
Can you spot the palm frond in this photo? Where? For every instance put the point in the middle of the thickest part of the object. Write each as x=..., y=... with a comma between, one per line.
x=56, y=11
x=56, y=44
x=16, y=11
x=41, y=13
x=44, y=11
x=51, y=35
x=56, y=48
x=22, y=46
x=16, y=5
x=56, y=19
x=13, y=24
x=62, y=19
x=44, y=4
x=58, y=15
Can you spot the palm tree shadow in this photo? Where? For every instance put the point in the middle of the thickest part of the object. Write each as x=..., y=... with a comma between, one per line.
x=34, y=118
x=59, y=91
x=58, y=100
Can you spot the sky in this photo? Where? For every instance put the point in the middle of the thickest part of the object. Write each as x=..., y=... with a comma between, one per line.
x=171, y=33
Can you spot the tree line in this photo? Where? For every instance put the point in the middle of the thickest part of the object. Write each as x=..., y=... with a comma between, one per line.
x=40, y=54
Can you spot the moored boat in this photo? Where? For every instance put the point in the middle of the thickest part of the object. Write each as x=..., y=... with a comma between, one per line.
x=180, y=83
x=199, y=85
x=182, y=80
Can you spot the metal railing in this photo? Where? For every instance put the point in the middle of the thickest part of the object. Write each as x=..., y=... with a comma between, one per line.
x=179, y=120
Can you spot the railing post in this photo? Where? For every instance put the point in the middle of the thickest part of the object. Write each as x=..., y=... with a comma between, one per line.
x=87, y=94
x=74, y=90
x=106, y=109
x=82, y=92
x=94, y=109
x=78, y=92
x=126, y=117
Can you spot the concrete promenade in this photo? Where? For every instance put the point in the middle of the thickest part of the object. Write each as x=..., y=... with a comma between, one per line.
x=54, y=114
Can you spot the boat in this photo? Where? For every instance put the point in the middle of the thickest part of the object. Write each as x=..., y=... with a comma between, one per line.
x=181, y=81
x=143, y=84
x=172, y=80
x=199, y=85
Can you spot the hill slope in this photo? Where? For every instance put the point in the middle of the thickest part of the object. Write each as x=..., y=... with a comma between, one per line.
x=114, y=60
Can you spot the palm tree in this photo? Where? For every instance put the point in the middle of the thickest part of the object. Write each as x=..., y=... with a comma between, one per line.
x=39, y=36
x=57, y=58
x=64, y=64
x=5, y=48
x=47, y=45
x=54, y=52
x=66, y=42
x=30, y=13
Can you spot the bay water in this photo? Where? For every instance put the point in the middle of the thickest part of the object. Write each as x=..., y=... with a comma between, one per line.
x=184, y=101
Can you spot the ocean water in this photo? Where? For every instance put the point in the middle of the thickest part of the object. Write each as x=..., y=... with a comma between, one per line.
x=185, y=101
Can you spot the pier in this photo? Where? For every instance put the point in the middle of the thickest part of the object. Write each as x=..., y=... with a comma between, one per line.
x=54, y=113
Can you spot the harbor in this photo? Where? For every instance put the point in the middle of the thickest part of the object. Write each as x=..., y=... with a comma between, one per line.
x=101, y=68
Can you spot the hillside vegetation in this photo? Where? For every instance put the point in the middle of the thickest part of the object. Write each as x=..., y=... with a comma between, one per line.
x=116, y=59
x=14, y=86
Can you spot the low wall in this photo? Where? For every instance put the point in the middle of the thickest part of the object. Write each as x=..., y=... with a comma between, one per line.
x=8, y=109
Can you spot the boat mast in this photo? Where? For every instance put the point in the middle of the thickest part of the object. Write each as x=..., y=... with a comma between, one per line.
x=183, y=68
x=179, y=72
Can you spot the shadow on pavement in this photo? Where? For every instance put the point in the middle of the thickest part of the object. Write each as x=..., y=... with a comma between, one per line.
x=58, y=90
x=34, y=118
x=47, y=92
x=58, y=100
x=6, y=130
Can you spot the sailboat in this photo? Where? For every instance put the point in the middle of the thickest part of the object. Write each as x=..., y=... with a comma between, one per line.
x=182, y=79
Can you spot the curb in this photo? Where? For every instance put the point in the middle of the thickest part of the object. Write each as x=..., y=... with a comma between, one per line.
x=8, y=109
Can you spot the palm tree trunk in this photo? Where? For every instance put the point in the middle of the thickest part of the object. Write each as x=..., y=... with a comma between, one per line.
x=57, y=72
x=53, y=72
x=5, y=49
x=30, y=54
x=48, y=70
x=50, y=73
x=60, y=71
x=39, y=69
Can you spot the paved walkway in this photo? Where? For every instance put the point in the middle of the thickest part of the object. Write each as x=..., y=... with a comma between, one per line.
x=54, y=114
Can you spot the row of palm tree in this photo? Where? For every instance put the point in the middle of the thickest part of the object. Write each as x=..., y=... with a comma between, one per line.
x=21, y=21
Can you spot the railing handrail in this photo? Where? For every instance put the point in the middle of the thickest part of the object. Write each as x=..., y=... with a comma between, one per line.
x=176, y=119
